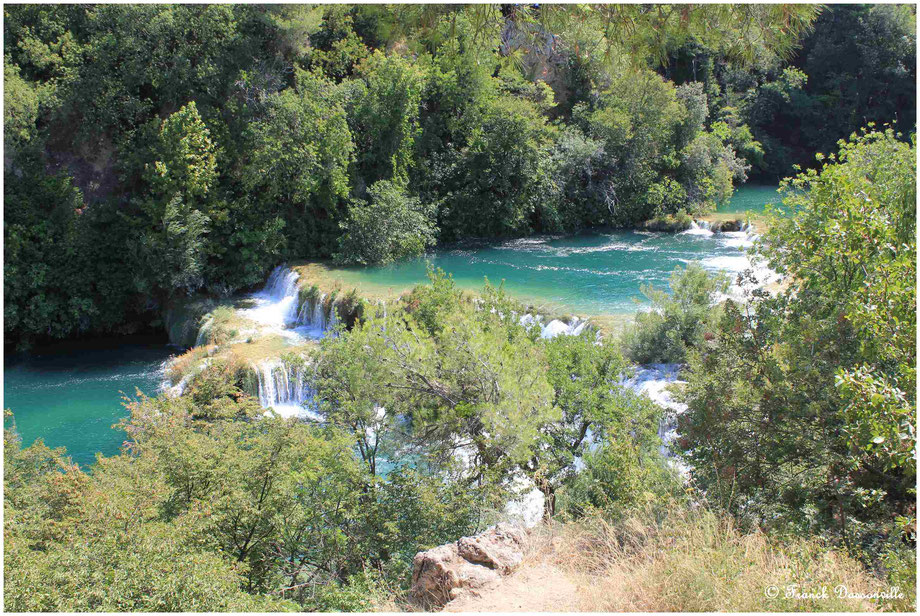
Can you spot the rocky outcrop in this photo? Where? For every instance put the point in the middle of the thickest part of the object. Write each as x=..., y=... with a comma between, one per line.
x=666, y=224
x=467, y=567
x=726, y=226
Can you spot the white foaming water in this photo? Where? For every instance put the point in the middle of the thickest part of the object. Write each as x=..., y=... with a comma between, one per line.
x=555, y=327
x=283, y=388
x=277, y=310
x=654, y=381
x=698, y=228
x=275, y=306
x=737, y=239
x=727, y=264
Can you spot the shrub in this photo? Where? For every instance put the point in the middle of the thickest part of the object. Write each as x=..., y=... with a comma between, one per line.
x=676, y=322
x=391, y=226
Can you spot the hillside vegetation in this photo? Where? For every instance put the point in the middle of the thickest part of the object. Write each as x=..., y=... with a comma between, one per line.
x=194, y=153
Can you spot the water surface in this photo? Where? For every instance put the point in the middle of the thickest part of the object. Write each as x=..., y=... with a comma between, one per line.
x=751, y=198
x=71, y=395
x=588, y=274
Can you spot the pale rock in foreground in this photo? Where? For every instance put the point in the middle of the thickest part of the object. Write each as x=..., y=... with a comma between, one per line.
x=466, y=567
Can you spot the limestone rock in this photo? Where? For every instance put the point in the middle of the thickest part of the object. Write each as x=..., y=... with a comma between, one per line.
x=470, y=565
x=501, y=547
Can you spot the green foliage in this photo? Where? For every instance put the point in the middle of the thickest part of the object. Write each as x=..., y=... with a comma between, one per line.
x=677, y=321
x=188, y=164
x=337, y=48
x=299, y=151
x=20, y=108
x=466, y=380
x=217, y=141
x=492, y=186
x=602, y=426
x=391, y=226
x=443, y=373
x=99, y=542
x=384, y=115
x=213, y=507
x=61, y=276
x=802, y=407
x=858, y=65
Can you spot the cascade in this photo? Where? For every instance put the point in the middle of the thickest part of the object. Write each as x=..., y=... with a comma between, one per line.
x=701, y=227
x=283, y=387
x=653, y=380
x=555, y=327
x=203, y=332
x=277, y=309
x=275, y=306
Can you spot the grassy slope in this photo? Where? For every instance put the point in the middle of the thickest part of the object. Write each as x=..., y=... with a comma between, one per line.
x=690, y=560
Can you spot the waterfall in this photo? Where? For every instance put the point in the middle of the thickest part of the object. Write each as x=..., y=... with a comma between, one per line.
x=653, y=380
x=555, y=327
x=314, y=319
x=281, y=284
x=283, y=387
x=699, y=227
x=278, y=307
x=276, y=304
x=203, y=332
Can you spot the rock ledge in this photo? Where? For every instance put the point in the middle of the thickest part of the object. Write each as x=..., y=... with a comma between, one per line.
x=470, y=565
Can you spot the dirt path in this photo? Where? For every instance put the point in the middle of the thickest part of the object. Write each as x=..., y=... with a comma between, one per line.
x=538, y=588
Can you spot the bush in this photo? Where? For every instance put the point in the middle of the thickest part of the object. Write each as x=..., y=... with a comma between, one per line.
x=676, y=322
x=391, y=226
x=669, y=223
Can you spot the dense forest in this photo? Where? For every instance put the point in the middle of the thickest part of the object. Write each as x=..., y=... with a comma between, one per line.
x=194, y=152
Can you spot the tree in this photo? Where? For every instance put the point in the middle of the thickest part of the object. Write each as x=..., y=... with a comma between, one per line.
x=297, y=162
x=20, y=108
x=390, y=227
x=467, y=384
x=856, y=66
x=597, y=415
x=677, y=321
x=173, y=249
x=492, y=186
x=802, y=407
x=188, y=164
x=384, y=113
x=83, y=542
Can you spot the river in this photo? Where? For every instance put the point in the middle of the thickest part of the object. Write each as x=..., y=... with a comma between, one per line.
x=71, y=395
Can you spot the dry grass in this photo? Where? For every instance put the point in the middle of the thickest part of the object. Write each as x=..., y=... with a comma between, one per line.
x=696, y=561
x=761, y=221
x=225, y=324
x=329, y=278
x=187, y=363
x=259, y=349
x=687, y=561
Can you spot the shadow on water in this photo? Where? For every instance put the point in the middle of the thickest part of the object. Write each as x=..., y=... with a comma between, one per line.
x=70, y=394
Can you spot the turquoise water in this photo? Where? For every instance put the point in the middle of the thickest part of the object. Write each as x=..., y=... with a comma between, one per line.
x=751, y=198
x=597, y=273
x=71, y=395
x=588, y=274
